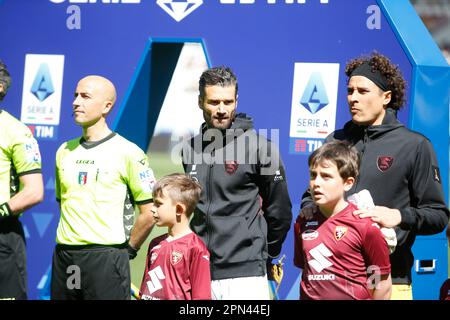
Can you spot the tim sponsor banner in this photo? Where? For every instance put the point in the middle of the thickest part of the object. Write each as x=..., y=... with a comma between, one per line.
x=314, y=103
x=41, y=96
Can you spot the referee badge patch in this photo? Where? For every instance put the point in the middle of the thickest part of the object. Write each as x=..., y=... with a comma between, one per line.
x=32, y=151
x=147, y=180
x=82, y=178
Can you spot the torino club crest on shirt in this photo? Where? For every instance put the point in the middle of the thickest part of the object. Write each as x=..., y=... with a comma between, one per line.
x=176, y=257
x=340, y=232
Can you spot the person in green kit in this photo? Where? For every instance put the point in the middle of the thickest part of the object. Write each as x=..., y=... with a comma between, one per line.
x=21, y=187
x=100, y=176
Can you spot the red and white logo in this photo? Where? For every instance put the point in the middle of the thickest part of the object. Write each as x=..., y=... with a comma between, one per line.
x=231, y=166
x=384, y=163
x=176, y=257
x=153, y=257
x=340, y=232
x=310, y=235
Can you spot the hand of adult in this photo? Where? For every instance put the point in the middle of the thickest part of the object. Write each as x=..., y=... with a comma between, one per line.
x=384, y=216
x=307, y=213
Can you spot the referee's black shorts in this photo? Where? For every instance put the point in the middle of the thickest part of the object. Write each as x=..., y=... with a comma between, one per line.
x=13, y=260
x=92, y=272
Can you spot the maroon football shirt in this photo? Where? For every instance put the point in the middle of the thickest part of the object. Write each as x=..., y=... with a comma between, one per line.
x=339, y=255
x=445, y=290
x=177, y=270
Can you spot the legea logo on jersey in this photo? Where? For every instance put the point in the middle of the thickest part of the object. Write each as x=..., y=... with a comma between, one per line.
x=179, y=9
x=313, y=109
x=41, y=96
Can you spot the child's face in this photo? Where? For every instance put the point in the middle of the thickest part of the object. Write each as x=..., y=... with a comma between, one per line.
x=164, y=211
x=327, y=186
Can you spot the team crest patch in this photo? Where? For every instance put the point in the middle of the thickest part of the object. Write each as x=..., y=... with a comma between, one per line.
x=231, y=166
x=340, y=232
x=82, y=178
x=176, y=257
x=384, y=163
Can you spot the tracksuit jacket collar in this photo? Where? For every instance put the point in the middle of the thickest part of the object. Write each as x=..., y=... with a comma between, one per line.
x=390, y=122
x=241, y=121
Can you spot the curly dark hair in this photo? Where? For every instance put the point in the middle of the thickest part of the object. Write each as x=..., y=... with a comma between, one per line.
x=391, y=72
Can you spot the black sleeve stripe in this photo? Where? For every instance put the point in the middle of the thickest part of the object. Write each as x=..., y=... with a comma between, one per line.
x=29, y=172
x=144, y=201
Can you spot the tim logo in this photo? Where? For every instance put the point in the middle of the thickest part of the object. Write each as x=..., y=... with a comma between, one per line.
x=179, y=9
x=300, y=146
x=44, y=132
x=315, y=95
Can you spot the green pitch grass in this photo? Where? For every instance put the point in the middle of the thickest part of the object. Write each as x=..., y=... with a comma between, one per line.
x=162, y=165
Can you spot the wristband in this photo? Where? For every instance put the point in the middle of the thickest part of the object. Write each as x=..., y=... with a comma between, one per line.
x=132, y=252
x=5, y=210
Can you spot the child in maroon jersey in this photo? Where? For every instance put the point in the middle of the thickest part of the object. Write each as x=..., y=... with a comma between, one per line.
x=444, y=293
x=177, y=266
x=342, y=256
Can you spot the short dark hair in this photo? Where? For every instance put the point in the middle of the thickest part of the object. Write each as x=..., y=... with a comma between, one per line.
x=5, y=79
x=217, y=76
x=342, y=153
x=391, y=72
x=179, y=188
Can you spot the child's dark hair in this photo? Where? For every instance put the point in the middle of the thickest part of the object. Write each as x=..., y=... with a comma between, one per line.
x=179, y=188
x=342, y=153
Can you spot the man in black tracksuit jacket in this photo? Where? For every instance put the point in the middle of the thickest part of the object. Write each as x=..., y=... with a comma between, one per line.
x=244, y=212
x=398, y=166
